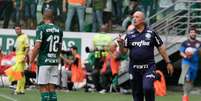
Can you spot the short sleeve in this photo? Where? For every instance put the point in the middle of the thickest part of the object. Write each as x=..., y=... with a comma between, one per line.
x=157, y=40
x=39, y=34
x=182, y=47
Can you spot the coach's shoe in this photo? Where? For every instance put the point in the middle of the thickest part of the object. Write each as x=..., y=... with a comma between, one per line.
x=185, y=98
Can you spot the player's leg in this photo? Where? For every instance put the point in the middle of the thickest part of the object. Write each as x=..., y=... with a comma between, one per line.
x=148, y=87
x=52, y=93
x=42, y=80
x=54, y=80
x=184, y=71
x=17, y=91
x=136, y=85
x=188, y=85
x=44, y=92
x=20, y=83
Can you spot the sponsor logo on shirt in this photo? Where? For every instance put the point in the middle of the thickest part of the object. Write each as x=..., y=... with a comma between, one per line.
x=140, y=43
x=197, y=45
x=53, y=30
x=140, y=66
x=51, y=60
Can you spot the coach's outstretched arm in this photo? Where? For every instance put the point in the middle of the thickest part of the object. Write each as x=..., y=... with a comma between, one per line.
x=164, y=54
x=35, y=51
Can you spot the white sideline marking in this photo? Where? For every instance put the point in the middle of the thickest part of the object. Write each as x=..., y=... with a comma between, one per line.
x=7, y=97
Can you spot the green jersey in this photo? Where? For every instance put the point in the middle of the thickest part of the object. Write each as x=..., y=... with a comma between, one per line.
x=50, y=37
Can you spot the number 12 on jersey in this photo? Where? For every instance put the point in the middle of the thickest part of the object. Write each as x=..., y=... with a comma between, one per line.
x=53, y=41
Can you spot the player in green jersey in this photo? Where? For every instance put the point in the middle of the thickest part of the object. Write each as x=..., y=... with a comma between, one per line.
x=47, y=47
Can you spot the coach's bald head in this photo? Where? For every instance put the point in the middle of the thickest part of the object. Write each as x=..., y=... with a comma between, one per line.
x=139, y=18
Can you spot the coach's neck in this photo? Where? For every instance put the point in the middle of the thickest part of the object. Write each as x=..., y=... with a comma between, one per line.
x=140, y=28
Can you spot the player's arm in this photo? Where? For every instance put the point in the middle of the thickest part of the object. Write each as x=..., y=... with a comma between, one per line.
x=39, y=37
x=26, y=49
x=183, y=55
x=35, y=51
x=182, y=51
x=68, y=61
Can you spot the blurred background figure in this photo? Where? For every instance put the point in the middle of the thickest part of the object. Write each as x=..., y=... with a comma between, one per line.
x=97, y=12
x=107, y=14
x=128, y=12
x=22, y=47
x=75, y=7
x=6, y=9
x=189, y=51
x=18, y=7
x=110, y=69
x=30, y=7
x=72, y=59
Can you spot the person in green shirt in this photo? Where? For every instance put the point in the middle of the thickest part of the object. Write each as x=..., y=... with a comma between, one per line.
x=47, y=47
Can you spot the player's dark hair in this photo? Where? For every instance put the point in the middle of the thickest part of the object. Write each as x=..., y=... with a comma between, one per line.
x=193, y=28
x=17, y=25
x=48, y=14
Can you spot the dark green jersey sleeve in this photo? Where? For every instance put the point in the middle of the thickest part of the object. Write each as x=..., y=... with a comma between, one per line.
x=39, y=34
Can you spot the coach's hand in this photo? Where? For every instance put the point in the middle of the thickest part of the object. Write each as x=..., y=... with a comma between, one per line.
x=120, y=40
x=170, y=68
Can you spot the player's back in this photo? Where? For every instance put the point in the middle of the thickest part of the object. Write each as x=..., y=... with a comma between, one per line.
x=50, y=36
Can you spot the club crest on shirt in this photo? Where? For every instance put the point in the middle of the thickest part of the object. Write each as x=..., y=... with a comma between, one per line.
x=133, y=36
x=197, y=45
x=188, y=44
x=148, y=36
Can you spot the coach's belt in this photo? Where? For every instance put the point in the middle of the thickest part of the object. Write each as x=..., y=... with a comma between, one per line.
x=140, y=66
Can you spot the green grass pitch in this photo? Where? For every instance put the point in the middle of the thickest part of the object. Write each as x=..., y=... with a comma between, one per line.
x=33, y=95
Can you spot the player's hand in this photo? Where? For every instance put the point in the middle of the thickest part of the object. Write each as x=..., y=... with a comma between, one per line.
x=170, y=68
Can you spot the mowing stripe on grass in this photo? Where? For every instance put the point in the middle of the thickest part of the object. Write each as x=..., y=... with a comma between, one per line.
x=7, y=97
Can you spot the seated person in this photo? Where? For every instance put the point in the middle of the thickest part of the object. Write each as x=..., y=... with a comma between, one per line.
x=110, y=67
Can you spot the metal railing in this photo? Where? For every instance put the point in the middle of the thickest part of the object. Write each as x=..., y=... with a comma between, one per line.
x=177, y=22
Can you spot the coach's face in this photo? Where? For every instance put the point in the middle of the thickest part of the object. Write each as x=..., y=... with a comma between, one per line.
x=138, y=18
